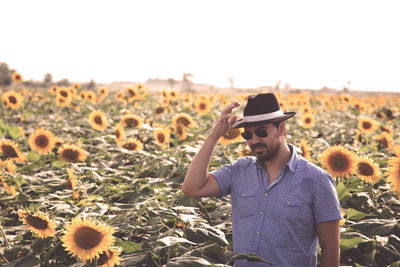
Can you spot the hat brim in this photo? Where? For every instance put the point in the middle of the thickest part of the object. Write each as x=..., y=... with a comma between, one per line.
x=240, y=123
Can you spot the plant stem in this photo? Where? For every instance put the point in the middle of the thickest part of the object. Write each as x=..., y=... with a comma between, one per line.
x=5, y=237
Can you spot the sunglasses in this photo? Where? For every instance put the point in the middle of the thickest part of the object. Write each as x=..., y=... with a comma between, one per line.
x=260, y=132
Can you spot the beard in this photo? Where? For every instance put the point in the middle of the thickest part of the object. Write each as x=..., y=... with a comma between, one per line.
x=267, y=154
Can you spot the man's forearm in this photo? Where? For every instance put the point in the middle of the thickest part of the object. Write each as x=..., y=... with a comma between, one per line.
x=196, y=175
x=330, y=257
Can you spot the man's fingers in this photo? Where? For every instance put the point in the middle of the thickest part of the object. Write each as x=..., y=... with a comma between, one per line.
x=230, y=107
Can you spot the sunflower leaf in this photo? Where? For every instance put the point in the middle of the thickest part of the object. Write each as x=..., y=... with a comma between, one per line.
x=353, y=214
x=59, y=164
x=13, y=131
x=32, y=156
x=128, y=246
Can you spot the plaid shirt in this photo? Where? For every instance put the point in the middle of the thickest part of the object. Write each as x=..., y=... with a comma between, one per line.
x=278, y=221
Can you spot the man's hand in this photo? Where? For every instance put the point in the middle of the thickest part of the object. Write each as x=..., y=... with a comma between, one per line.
x=224, y=122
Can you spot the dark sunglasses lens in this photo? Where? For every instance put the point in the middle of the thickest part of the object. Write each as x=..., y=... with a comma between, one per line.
x=247, y=135
x=261, y=133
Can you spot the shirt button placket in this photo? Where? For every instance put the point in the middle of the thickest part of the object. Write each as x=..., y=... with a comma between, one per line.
x=260, y=222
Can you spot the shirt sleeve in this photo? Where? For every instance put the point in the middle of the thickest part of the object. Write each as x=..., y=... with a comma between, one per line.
x=224, y=177
x=326, y=206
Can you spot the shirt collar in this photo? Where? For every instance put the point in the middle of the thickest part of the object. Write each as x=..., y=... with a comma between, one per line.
x=292, y=161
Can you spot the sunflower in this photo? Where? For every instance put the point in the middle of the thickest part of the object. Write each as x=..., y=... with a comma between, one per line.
x=8, y=188
x=71, y=181
x=42, y=141
x=184, y=119
x=159, y=110
x=232, y=136
x=98, y=120
x=12, y=99
x=366, y=125
x=180, y=131
x=162, y=136
x=339, y=161
x=38, y=223
x=119, y=133
x=305, y=149
x=108, y=258
x=76, y=86
x=58, y=142
x=62, y=102
x=90, y=96
x=131, y=120
x=387, y=129
x=37, y=97
x=16, y=77
x=64, y=93
x=307, y=120
x=346, y=99
x=53, y=89
x=7, y=166
x=383, y=140
x=202, y=106
x=11, y=151
x=133, y=94
x=174, y=95
x=102, y=91
x=394, y=172
x=72, y=153
x=367, y=170
x=132, y=144
x=87, y=239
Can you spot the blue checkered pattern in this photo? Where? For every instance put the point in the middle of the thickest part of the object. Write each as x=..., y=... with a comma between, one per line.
x=278, y=222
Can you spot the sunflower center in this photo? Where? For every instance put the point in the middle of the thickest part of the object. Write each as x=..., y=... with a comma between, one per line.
x=179, y=129
x=98, y=120
x=202, y=106
x=42, y=141
x=365, y=169
x=117, y=133
x=184, y=121
x=232, y=133
x=70, y=154
x=9, y=151
x=161, y=137
x=159, y=110
x=384, y=143
x=87, y=238
x=339, y=163
x=36, y=222
x=131, y=122
x=366, y=125
x=12, y=99
x=64, y=94
x=130, y=146
x=308, y=120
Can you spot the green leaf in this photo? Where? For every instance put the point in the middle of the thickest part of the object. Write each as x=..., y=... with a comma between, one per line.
x=348, y=241
x=343, y=193
x=59, y=164
x=353, y=214
x=33, y=156
x=372, y=227
x=246, y=256
x=13, y=131
x=128, y=246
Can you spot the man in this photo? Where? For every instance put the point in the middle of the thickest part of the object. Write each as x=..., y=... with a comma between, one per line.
x=282, y=204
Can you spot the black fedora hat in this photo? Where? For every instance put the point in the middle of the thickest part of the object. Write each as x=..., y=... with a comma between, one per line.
x=262, y=108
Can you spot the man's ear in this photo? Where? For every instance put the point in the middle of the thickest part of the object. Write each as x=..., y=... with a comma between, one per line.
x=282, y=128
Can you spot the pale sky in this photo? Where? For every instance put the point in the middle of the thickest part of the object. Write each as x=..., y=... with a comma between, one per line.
x=308, y=44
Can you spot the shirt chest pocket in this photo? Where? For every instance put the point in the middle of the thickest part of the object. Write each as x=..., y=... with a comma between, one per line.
x=289, y=206
x=245, y=201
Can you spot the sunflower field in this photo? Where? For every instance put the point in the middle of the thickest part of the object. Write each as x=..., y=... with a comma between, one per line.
x=93, y=178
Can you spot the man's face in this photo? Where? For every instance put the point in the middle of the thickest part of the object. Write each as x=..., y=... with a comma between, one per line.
x=264, y=142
